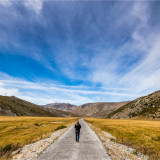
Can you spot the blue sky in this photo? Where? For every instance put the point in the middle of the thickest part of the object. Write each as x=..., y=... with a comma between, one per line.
x=79, y=51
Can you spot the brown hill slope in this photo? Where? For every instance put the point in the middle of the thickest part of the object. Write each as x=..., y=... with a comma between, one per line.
x=61, y=113
x=61, y=106
x=100, y=109
x=12, y=106
x=147, y=106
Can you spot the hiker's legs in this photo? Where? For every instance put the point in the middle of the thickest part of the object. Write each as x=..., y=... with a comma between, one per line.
x=76, y=136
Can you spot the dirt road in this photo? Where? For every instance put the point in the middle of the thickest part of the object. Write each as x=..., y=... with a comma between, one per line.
x=66, y=148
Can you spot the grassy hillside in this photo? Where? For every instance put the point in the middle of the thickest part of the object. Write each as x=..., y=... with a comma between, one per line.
x=12, y=106
x=143, y=135
x=16, y=132
x=147, y=106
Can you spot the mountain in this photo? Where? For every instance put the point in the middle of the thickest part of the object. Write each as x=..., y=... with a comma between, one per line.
x=12, y=106
x=61, y=113
x=100, y=109
x=61, y=106
x=147, y=106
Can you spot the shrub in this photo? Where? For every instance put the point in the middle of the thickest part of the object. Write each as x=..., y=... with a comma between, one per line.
x=36, y=124
x=60, y=127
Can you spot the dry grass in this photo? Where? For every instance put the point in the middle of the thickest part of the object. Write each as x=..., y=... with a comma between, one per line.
x=16, y=132
x=143, y=135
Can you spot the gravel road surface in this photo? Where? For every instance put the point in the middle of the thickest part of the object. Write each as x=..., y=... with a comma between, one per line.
x=66, y=148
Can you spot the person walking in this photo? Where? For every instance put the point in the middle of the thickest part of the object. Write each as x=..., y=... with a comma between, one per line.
x=77, y=130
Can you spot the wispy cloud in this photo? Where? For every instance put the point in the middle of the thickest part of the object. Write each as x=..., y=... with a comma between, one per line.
x=140, y=70
x=50, y=92
x=35, y=5
x=99, y=51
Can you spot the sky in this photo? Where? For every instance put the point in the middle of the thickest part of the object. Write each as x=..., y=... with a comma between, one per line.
x=79, y=51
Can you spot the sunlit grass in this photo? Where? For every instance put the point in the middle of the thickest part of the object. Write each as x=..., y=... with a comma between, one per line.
x=143, y=135
x=15, y=132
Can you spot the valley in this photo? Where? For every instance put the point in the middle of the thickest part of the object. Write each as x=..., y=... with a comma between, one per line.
x=134, y=123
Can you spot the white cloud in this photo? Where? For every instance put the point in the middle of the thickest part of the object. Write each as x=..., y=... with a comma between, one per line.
x=103, y=66
x=147, y=74
x=5, y=2
x=144, y=76
x=48, y=87
x=35, y=5
x=8, y=92
x=47, y=92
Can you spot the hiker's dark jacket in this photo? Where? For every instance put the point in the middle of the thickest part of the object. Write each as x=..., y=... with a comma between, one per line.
x=77, y=128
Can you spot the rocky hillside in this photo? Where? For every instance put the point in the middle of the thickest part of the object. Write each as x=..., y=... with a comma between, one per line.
x=61, y=113
x=12, y=106
x=100, y=109
x=61, y=106
x=147, y=106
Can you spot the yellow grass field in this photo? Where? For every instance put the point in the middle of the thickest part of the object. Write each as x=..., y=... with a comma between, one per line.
x=143, y=135
x=15, y=132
